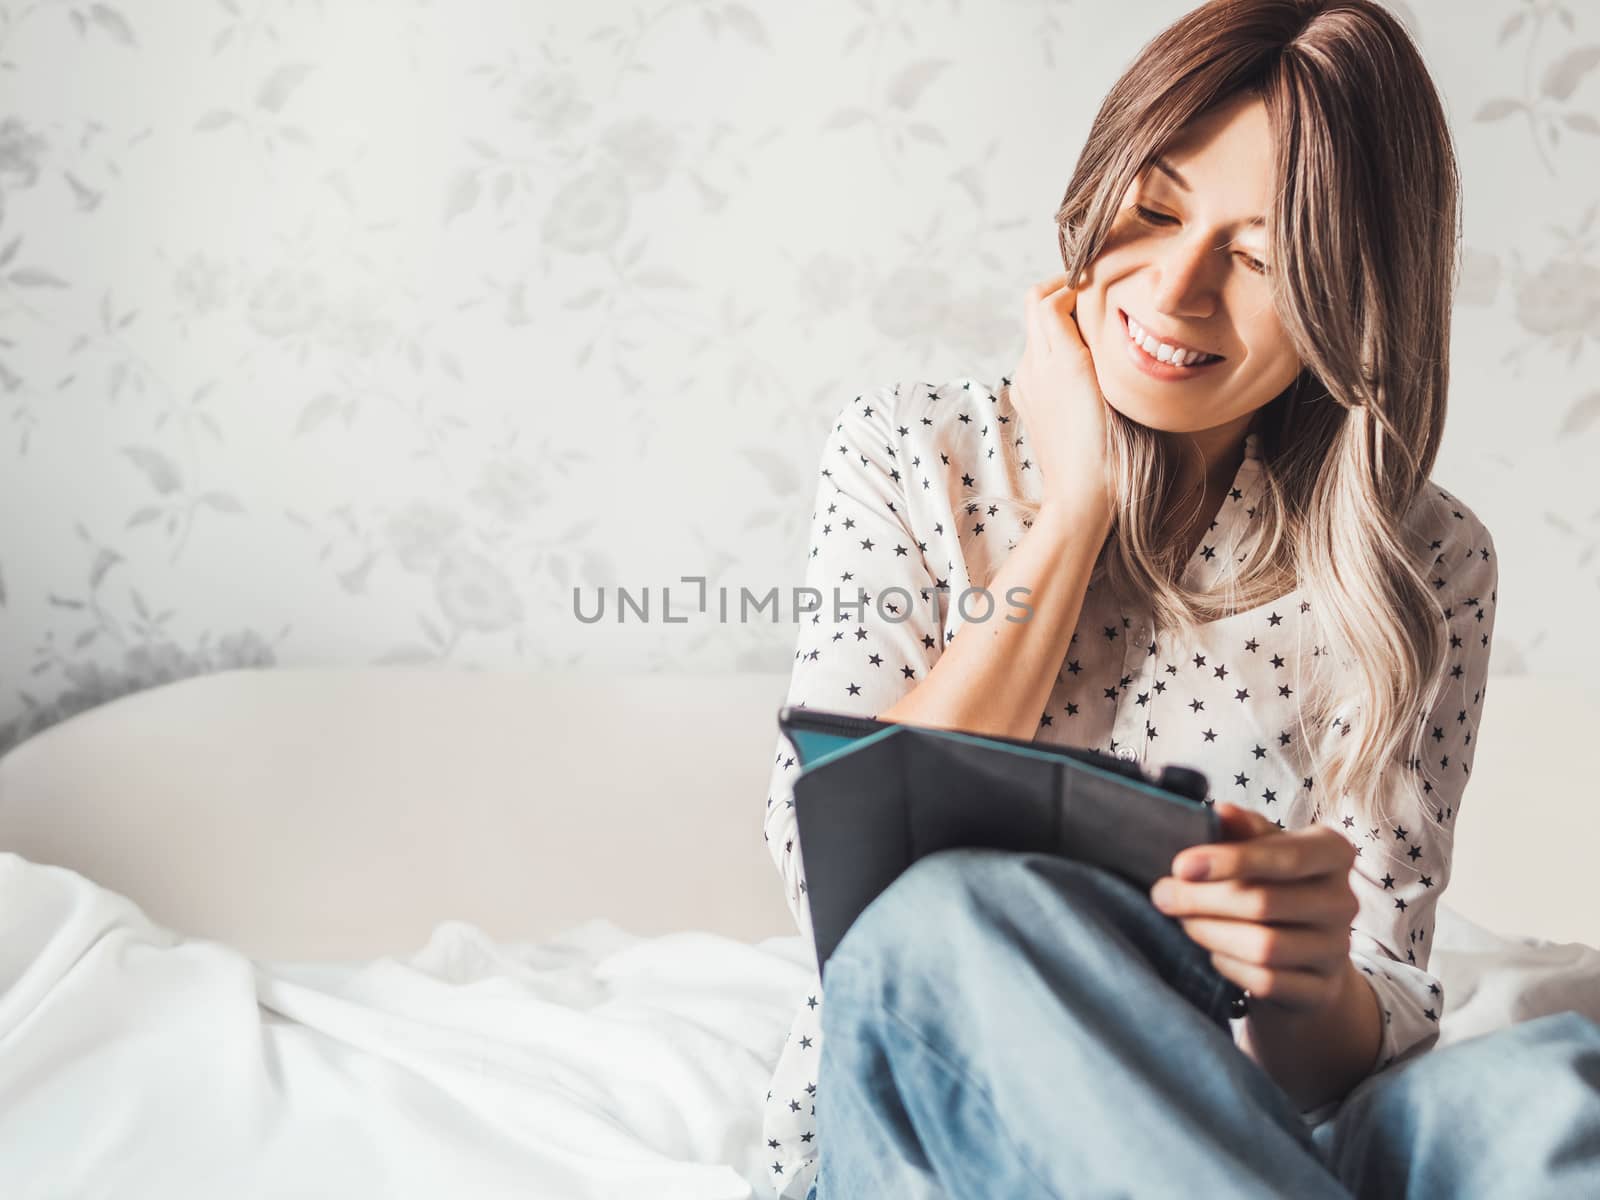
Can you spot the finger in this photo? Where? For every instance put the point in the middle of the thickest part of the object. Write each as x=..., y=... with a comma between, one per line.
x=1293, y=988
x=1296, y=854
x=1300, y=947
x=1323, y=900
x=1038, y=340
x=1059, y=321
x=1038, y=298
x=1057, y=284
x=1240, y=823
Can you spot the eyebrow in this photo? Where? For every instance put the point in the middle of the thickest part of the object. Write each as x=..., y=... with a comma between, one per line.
x=1171, y=172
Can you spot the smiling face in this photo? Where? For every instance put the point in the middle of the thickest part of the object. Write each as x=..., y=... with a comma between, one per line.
x=1184, y=261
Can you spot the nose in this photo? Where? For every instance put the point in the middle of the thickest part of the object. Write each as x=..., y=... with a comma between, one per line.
x=1185, y=287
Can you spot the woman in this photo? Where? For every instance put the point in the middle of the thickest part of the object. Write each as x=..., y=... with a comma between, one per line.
x=1210, y=473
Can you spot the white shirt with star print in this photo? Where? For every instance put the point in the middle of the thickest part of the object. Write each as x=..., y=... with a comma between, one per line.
x=894, y=508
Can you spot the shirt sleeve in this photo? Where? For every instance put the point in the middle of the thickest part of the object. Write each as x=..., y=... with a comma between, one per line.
x=875, y=633
x=1401, y=870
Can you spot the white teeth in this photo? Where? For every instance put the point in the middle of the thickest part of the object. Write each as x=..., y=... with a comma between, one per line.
x=1161, y=351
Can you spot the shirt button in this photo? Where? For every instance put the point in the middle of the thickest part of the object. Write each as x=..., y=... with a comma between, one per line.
x=1128, y=753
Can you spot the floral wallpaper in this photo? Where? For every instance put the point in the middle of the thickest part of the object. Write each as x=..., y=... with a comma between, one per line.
x=365, y=331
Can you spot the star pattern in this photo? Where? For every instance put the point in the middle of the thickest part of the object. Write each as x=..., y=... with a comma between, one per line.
x=1228, y=703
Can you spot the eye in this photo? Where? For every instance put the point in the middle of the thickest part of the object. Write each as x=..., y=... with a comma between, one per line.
x=1151, y=217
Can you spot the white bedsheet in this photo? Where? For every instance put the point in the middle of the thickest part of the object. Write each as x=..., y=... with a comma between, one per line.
x=137, y=1063
x=134, y=1062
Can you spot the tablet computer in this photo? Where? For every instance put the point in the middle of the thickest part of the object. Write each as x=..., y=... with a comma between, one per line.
x=874, y=796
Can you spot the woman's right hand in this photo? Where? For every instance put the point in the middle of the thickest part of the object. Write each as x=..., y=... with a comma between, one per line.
x=1057, y=394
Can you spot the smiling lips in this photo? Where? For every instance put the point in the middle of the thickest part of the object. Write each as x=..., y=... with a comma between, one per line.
x=1177, y=355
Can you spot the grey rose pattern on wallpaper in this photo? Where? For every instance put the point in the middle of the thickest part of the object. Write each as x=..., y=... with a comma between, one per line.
x=363, y=331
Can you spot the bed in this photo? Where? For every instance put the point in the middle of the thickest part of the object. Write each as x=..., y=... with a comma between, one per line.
x=413, y=932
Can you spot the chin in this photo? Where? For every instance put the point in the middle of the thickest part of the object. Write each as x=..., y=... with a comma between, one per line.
x=1159, y=417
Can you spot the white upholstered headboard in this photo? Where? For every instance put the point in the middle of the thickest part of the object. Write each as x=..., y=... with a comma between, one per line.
x=313, y=813
x=342, y=813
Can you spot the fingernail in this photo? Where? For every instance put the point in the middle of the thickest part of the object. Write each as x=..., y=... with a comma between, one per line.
x=1194, y=868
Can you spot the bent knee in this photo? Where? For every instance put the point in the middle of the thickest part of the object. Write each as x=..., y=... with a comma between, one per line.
x=952, y=898
x=1569, y=1028
x=1533, y=1066
x=1565, y=1042
x=927, y=905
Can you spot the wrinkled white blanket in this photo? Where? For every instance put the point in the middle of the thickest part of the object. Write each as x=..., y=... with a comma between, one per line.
x=135, y=1062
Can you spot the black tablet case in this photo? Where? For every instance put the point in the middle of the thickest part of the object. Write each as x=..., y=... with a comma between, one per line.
x=872, y=797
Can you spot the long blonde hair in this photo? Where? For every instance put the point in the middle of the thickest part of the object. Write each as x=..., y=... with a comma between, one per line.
x=1364, y=238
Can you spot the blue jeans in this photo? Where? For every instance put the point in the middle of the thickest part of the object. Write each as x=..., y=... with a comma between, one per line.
x=999, y=1023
